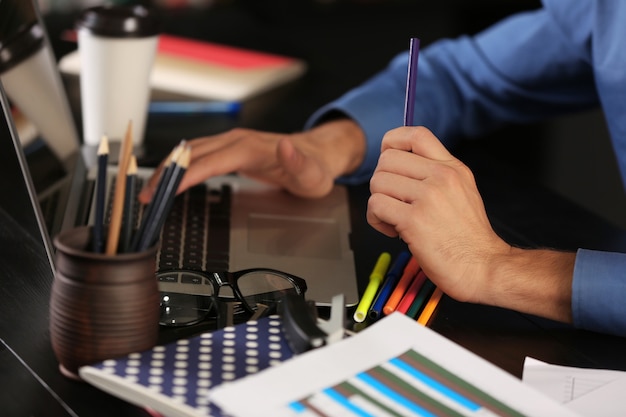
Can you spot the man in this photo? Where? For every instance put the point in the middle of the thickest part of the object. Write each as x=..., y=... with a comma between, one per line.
x=564, y=57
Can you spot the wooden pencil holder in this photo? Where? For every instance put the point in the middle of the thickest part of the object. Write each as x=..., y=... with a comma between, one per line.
x=101, y=306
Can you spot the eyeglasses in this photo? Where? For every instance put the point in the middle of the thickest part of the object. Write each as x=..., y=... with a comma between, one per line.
x=251, y=288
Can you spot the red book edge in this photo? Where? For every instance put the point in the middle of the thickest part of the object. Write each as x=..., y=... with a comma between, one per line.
x=211, y=53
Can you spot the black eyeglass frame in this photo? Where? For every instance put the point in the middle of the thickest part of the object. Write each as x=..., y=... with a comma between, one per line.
x=225, y=278
x=217, y=280
x=220, y=279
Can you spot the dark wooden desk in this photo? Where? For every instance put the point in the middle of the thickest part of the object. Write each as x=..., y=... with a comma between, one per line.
x=522, y=212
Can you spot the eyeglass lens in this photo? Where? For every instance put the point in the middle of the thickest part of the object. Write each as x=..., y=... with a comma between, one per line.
x=259, y=287
x=184, y=309
x=264, y=287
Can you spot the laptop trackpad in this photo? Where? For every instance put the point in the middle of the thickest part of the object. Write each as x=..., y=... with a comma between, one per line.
x=293, y=236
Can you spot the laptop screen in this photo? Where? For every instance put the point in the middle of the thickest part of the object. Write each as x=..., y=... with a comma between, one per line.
x=18, y=199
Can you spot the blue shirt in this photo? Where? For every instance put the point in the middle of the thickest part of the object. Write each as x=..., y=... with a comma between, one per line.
x=564, y=57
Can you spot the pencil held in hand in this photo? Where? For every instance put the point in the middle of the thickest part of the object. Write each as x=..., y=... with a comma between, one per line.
x=411, y=80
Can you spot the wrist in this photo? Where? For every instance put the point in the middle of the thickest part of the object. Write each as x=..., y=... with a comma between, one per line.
x=340, y=143
x=534, y=281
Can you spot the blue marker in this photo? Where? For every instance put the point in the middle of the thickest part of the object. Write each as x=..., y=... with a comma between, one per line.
x=391, y=280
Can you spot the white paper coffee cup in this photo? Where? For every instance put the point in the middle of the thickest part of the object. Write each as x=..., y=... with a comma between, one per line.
x=117, y=46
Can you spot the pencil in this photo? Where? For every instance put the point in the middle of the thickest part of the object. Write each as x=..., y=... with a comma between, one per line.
x=376, y=278
x=411, y=293
x=411, y=80
x=98, y=226
x=423, y=294
x=430, y=307
x=166, y=173
x=389, y=283
x=128, y=219
x=117, y=209
x=163, y=206
x=411, y=269
x=167, y=170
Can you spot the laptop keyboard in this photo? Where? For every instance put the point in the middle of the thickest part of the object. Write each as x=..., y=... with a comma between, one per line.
x=195, y=236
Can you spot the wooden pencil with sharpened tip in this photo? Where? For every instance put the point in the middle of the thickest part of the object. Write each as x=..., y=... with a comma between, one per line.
x=117, y=207
x=128, y=219
x=164, y=177
x=98, y=226
x=163, y=205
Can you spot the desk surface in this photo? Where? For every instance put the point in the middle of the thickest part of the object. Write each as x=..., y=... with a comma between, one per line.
x=524, y=214
x=521, y=212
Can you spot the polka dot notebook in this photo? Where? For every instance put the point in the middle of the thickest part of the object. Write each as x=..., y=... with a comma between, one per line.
x=175, y=379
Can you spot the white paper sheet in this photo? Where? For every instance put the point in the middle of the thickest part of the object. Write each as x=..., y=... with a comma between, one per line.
x=275, y=392
x=589, y=392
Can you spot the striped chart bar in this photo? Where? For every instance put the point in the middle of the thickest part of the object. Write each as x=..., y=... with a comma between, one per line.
x=408, y=385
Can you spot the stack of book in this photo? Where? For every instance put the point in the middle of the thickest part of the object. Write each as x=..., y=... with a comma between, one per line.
x=210, y=71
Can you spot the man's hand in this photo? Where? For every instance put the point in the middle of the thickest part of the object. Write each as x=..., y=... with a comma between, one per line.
x=429, y=198
x=305, y=164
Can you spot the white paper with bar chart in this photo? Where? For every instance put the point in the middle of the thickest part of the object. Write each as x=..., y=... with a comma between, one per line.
x=396, y=367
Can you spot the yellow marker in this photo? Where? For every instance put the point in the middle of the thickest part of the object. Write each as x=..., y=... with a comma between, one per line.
x=376, y=278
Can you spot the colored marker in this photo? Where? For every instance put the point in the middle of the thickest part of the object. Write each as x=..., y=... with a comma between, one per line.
x=376, y=278
x=411, y=269
x=430, y=307
x=411, y=293
x=391, y=279
x=421, y=298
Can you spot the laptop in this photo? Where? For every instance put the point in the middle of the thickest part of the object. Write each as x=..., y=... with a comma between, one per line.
x=265, y=226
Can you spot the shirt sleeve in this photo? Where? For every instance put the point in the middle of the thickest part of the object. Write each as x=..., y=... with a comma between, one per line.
x=525, y=68
x=598, y=289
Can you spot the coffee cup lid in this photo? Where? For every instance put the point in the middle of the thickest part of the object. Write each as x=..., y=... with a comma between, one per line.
x=119, y=21
x=21, y=46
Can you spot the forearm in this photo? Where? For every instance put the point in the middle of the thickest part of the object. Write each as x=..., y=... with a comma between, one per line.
x=535, y=281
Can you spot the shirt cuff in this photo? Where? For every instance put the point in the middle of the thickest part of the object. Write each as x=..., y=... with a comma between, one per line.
x=599, y=291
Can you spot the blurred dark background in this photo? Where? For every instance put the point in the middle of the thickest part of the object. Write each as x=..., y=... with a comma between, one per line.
x=344, y=42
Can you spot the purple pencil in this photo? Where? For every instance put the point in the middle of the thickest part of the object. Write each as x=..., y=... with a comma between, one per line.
x=411, y=79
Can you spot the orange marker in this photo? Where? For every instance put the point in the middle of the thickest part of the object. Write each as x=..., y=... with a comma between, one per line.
x=411, y=292
x=430, y=307
x=411, y=269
